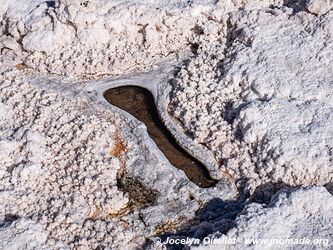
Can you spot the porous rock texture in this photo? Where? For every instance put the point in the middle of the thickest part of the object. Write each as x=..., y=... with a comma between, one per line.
x=298, y=214
x=261, y=99
x=56, y=164
x=77, y=174
x=101, y=37
x=319, y=7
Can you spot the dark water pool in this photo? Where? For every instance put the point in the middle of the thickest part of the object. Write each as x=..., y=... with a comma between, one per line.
x=139, y=102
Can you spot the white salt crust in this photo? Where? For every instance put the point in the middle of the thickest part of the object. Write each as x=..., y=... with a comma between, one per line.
x=103, y=37
x=257, y=94
x=60, y=169
x=263, y=104
x=303, y=213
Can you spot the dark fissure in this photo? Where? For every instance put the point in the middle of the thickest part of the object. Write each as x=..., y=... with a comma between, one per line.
x=139, y=102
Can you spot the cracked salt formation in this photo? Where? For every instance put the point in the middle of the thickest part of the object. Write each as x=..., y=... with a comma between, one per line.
x=140, y=103
x=74, y=176
x=261, y=100
x=297, y=214
x=104, y=37
x=256, y=93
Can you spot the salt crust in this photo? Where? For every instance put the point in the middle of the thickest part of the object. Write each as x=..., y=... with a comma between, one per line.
x=303, y=213
x=62, y=155
x=103, y=37
x=264, y=79
x=56, y=166
x=261, y=100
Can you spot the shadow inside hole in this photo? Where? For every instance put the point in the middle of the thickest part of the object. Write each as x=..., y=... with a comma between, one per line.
x=329, y=187
x=217, y=216
x=50, y=4
x=140, y=103
x=9, y=219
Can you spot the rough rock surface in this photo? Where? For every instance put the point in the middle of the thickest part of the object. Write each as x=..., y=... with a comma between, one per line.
x=56, y=162
x=22, y=234
x=303, y=213
x=104, y=37
x=257, y=92
x=261, y=100
x=319, y=7
x=75, y=174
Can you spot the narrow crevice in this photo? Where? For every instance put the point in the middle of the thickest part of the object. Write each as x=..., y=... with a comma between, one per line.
x=9, y=219
x=140, y=103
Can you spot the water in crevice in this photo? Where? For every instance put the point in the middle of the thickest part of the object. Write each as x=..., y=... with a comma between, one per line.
x=139, y=102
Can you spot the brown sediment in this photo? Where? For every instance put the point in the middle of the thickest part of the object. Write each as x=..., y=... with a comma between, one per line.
x=94, y=214
x=20, y=66
x=166, y=227
x=119, y=147
x=139, y=102
x=139, y=195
